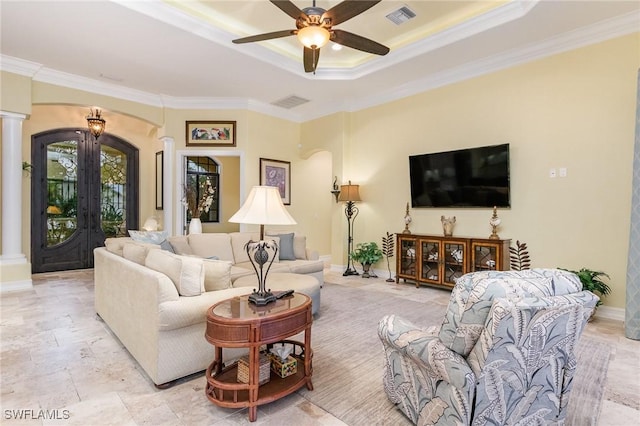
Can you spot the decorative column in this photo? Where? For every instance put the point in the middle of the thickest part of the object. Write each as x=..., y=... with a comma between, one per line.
x=632, y=306
x=16, y=271
x=167, y=181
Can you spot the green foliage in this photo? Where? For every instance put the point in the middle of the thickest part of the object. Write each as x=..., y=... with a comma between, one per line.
x=366, y=253
x=591, y=280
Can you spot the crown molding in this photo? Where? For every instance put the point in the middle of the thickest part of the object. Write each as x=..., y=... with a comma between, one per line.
x=19, y=66
x=599, y=32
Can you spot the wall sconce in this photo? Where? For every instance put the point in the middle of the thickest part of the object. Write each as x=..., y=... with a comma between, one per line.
x=96, y=123
x=335, y=191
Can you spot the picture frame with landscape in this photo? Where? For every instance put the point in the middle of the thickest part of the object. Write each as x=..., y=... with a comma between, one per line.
x=277, y=173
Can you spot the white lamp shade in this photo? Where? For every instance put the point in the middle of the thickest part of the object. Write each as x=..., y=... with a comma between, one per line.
x=263, y=206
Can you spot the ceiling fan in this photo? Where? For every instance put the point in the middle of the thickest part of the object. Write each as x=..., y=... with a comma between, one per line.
x=315, y=28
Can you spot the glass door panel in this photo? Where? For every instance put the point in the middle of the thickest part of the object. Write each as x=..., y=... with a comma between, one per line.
x=113, y=203
x=62, y=191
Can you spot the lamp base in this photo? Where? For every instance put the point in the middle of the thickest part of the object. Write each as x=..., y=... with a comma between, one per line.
x=262, y=299
x=350, y=271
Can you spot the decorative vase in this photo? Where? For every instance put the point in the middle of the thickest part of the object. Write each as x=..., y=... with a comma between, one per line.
x=195, y=226
x=365, y=270
x=447, y=225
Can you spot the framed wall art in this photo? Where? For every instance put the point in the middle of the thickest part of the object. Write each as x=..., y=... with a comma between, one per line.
x=211, y=133
x=159, y=178
x=277, y=173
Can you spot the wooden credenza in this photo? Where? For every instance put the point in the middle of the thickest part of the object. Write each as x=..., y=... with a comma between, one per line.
x=440, y=261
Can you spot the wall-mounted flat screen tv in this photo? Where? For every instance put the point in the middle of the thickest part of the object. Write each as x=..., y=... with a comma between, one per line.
x=474, y=177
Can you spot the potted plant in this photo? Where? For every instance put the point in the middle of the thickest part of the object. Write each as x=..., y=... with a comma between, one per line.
x=366, y=254
x=591, y=280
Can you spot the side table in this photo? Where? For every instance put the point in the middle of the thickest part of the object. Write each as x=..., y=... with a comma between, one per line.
x=236, y=323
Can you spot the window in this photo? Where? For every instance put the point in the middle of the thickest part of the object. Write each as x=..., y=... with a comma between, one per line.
x=199, y=170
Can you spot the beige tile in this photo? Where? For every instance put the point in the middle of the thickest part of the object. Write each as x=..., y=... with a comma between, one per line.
x=56, y=354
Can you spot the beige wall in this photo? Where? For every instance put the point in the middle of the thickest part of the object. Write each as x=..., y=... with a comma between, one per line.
x=573, y=110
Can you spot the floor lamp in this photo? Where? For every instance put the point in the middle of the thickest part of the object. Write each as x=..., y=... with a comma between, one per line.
x=262, y=207
x=350, y=194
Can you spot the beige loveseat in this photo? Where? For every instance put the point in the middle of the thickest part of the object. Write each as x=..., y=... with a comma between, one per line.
x=155, y=301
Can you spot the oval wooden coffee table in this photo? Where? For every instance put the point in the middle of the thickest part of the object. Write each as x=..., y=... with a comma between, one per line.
x=236, y=323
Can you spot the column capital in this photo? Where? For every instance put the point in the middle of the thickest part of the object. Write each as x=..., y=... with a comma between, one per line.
x=12, y=115
x=167, y=140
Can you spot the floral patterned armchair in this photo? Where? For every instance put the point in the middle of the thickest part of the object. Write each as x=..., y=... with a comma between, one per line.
x=504, y=353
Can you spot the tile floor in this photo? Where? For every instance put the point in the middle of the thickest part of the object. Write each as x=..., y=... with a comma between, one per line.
x=58, y=359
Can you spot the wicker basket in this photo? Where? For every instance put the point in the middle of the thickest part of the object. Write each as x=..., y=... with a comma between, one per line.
x=243, y=370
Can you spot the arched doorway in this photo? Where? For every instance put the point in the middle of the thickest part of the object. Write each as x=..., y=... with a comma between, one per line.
x=83, y=190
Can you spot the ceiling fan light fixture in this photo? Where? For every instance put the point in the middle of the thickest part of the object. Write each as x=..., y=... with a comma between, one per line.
x=313, y=36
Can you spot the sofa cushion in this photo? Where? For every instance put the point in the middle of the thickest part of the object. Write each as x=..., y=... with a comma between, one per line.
x=285, y=248
x=304, y=266
x=186, y=273
x=115, y=245
x=300, y=247
x=137, y=252
x=217, y=274
x=180, y=245
x=207, y=245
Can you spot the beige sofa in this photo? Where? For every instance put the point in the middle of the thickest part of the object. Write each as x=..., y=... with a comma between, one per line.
x=155, y=301
x=231, y=247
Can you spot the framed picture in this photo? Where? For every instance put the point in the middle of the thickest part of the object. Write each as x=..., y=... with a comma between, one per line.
x=159, y=177
x=277, y=173
x=211, y=133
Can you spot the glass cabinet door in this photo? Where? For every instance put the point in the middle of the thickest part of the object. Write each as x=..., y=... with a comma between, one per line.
x=455, y=254
x=408, y=257
x=430, y=256
x=484, y=257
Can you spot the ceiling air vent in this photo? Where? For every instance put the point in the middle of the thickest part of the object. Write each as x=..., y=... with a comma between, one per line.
x=401, y=15
x=290, y=102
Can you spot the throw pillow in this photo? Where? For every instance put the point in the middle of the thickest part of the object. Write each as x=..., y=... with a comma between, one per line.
x=300, y=246
x=137, y=252
x=151, y=237
x=180, y=244
x=186, y=273
x=285, y=248
x=217, y=274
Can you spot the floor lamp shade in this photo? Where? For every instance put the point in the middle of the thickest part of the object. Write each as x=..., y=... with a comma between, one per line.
x=262, y=207
x=349, y=192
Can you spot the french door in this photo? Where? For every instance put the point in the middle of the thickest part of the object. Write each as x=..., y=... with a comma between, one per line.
x=83, y=190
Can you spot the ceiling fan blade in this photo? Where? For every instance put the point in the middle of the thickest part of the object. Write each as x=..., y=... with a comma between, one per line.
x=266, y=36
x=347, y=10
x=290, y=9
x=310, y=59
x=355, y=41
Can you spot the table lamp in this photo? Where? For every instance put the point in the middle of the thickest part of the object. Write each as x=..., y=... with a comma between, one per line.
x=262, y=207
